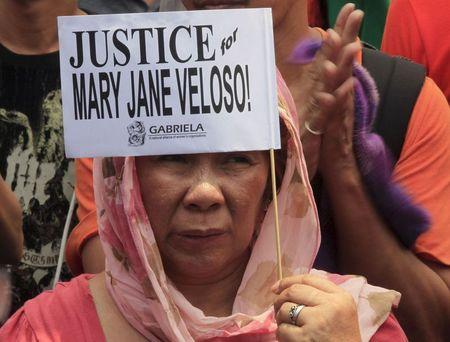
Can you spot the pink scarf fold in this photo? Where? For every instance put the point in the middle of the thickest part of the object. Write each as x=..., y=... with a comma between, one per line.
x=137, y=282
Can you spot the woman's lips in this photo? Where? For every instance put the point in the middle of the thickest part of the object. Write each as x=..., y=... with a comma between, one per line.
x=198, y=239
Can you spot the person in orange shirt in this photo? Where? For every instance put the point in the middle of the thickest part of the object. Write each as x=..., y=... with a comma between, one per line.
x=416, y=29
x=365, y=244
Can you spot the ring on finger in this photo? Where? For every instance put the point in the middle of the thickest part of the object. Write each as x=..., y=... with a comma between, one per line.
x=294, y=312
x=312, y=130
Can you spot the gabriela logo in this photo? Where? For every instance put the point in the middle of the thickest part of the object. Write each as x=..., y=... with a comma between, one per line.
x=176, y=129
x=137, y=132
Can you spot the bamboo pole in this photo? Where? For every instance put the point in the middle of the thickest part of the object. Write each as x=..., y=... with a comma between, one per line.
x=275, y=206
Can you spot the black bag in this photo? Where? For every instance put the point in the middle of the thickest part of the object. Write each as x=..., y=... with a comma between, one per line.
x=399, y=82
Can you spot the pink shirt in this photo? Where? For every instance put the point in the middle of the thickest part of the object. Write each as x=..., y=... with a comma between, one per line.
x=65, y=314
x=68, y=314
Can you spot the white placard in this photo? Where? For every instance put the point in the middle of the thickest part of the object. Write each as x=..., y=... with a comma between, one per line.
x=165, y=83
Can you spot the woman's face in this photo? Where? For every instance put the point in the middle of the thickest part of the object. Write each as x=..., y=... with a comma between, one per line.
x=279, y=7
x=204, y=209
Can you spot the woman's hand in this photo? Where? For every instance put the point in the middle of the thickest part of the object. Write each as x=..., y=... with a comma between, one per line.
x=329, y=312
x=326, y=89
x=336, y=103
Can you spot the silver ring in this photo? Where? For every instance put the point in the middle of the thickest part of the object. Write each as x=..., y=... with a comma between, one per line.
x=294, y=312
x=311, y=130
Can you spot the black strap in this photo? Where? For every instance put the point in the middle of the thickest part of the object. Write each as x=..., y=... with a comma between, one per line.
x=399, y=83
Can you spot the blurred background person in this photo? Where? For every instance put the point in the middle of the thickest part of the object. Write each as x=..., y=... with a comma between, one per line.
x=32, y=160
x=418, y=30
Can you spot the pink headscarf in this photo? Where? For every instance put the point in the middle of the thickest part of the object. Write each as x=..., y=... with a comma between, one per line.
x=151, y=303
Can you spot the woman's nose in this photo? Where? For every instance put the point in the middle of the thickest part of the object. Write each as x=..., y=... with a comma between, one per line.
x=203, y=196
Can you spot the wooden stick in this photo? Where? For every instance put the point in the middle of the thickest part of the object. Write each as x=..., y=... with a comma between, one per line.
x=275, y=206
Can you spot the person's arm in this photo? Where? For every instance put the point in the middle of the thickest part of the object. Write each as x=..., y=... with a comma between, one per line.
x=92, y=256
x=84, y=252
x=366, y=245
x=11, y=234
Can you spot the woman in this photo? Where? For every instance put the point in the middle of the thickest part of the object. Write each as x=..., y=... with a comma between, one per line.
x=190, y=256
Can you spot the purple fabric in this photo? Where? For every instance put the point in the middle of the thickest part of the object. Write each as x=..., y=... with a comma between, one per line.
x=305, y=51
x=406, y=219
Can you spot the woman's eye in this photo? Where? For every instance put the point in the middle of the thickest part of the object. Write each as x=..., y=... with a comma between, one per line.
x=175, y=158
x=241, y=160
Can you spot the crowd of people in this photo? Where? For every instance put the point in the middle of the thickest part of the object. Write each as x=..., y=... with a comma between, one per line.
x=362, y=194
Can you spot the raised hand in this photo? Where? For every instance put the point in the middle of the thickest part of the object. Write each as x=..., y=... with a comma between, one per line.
x=336, y=102
x=324, y=94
